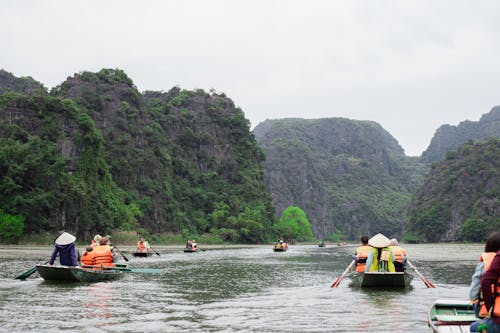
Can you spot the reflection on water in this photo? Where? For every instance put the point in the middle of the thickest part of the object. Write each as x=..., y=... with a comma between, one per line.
x=232, y=290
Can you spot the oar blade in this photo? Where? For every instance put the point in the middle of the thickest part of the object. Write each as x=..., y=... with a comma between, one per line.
x=26, y=274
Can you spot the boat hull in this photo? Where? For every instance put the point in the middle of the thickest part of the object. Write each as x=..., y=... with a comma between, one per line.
x=76, y=274
x=190, y=250
x=451, y=316
x=381, y=279
x=142, y=254
x=279, y=249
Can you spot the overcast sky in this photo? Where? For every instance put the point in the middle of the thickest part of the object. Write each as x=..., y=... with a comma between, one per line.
x=409, y=65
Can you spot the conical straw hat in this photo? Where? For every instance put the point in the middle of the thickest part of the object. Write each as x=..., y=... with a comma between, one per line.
x=65, y=239
x=379, y=240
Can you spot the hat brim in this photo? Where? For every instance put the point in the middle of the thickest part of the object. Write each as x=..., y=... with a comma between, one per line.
x=65, y=239
x=379, y=241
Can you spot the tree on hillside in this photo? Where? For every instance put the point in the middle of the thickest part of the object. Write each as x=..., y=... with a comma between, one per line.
x=294, y=225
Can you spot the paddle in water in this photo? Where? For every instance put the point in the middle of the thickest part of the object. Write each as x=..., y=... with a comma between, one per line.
x=340, y=278
x=424, y=280
x=120, y=252
x=30, y=271
x=155, y=251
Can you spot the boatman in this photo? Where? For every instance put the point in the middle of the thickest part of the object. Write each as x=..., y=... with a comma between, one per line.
x=65, y=246
x=362, y=253
x=380, y=258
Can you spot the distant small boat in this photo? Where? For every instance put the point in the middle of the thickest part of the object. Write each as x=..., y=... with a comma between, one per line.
x=76, y=274
x=322, y=244
x=280, y=247
x=381, y=279
x=142, y=254
x=191, y=249
x=450, y=316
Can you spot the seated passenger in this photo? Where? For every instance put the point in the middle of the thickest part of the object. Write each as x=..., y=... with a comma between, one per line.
x=88, y=257
x=361, y=254
x=102, y=254
x=399, y=255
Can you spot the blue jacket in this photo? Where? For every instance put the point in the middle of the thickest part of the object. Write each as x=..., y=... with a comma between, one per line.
x=67, y=255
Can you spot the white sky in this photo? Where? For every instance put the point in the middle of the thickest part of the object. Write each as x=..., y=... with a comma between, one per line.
x=409, y=65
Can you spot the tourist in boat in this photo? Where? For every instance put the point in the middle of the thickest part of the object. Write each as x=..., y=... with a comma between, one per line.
x=490, y=288
x=95, y=241
x=491, y=248
x=102, y=254
x=361, y=254
x=380, y=258
x=88, y=257
x=143, y=246
x=65, y=247
x=399, y=255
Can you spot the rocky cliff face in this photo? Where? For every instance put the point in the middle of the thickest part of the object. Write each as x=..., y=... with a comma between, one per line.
x=350, y=177
x=168, y=159
x=23, y=85
x=448, y=138
x=459, y=198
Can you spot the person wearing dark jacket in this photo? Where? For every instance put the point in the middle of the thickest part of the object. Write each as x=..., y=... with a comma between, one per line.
x=490, y=286
x=65, y=247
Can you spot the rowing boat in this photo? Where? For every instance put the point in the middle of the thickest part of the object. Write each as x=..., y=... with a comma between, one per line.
x=381, y=279
x=142, y=254
x=191, y=249
x=450, y=316
x=76, y=274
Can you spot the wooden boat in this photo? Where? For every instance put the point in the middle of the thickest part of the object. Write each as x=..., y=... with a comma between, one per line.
x=76, y=274
x=450, y=316
x=280, y=247
x=322, y=244
x=191, y=249
x=381, y=279
x=142, y=254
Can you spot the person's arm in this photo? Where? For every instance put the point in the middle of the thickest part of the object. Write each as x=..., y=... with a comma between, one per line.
x=489, y=278
x=369, y=260
x=53, y=256
x=475, y=284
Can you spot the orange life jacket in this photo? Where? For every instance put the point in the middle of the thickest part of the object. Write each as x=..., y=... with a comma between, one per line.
x=88, y=258
x=399, y=253
x=141, y=247
x=487, y=258
x=103, y=256
x=362, y=253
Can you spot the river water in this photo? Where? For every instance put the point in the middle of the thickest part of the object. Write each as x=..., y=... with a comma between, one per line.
x=239, y=289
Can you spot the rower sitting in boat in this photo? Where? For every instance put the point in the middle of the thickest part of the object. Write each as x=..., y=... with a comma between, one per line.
x=380, y=258
x=143, y=246
x=65, y=246
x=361, y=254
x=399, y=255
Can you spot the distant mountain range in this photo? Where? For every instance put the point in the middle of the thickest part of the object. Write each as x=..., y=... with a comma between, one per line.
x=95, y=154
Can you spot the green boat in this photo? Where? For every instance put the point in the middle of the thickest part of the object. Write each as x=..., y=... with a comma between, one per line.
x=381, y=279
x=450, y=316
x=76, y=274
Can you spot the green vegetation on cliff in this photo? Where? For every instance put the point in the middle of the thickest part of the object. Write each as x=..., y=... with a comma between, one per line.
x=96, y=155
x=460, y=196
x=350, y=177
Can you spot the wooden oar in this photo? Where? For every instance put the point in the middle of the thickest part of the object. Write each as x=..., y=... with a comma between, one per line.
x=120, y=252
x=424, y=280
x=339, y=279
x=128, y=270
x=155, y=251
x=30, y=271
